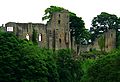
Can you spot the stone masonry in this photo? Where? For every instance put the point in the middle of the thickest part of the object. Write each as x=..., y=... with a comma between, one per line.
x=56, y=33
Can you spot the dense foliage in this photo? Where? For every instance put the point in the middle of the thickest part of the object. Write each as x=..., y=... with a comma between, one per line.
x=21, y=61
x=69, y=69
x=102, y=22
x=105, y=21
x=106, y=69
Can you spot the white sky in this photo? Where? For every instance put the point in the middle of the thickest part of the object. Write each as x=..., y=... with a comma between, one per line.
x=33, y=10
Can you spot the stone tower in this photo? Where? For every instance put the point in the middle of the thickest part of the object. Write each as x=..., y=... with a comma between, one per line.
x=110, y=40
x=58, y=31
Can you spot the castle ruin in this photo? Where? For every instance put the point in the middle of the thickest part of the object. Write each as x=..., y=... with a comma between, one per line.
x=56, y=33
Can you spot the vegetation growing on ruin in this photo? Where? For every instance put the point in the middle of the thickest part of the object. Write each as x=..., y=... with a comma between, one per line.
x=22, y=61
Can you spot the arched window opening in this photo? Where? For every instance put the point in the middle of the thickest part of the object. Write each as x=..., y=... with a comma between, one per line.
x=40, y=37
x=27, y=37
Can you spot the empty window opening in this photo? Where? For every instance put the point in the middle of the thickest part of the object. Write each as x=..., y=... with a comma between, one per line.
x=59, y=15
x=106, y=46
x=40, y=37
x=27, y=37
x=10, y=29
x=60, y=42
x=58, y=21
x=111, y=35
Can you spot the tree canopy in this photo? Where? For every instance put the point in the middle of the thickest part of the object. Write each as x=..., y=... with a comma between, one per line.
x=49, y=11
x=105, y=21
x=102, y=23
x=105, y=69
x=21, y=61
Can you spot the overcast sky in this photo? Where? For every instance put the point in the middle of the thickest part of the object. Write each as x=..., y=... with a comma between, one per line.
x=33, y=10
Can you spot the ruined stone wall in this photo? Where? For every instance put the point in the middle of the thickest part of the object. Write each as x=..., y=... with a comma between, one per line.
x=23, y=29
x=95, y=45
x=54, y=35
x=110, y=40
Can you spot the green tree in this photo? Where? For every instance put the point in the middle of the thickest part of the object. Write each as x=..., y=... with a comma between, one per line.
x=118, y=35
x=77, y=27
x=105, y=69
x=21, y=61
x=69, y=69
x=102, y=23
x=49, y=11
x=105, y=21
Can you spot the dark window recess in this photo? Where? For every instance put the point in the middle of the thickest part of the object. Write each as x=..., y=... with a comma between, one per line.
x=107, y=46
x=60, y=42
x=111, y=35
x=58, y=21
x=59, y=15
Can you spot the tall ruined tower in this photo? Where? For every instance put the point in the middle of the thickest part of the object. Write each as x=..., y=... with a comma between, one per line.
x=58, y=31
x=110, y=40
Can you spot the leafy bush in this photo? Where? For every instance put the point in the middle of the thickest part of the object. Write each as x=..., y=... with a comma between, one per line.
x=86, y=64
x=69, y=69
x=106, y=69
x=21, y=61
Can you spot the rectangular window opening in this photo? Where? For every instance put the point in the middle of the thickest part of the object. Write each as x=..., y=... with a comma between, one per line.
x=10, y=29
x=58, y=21
x=40, y=37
